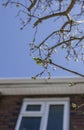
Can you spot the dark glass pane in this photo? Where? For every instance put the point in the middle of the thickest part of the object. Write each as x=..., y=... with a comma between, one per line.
x=55, y=119
x=33, y=107
x=30, y=123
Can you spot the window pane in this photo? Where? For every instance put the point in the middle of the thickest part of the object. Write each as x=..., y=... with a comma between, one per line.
x=30, y=123
x=33, y=107
x=55, y=119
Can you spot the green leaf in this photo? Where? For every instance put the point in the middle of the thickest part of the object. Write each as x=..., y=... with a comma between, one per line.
x=34, y=78
x=39, y=61
x=50, y=60
x=58, y=32
x=74, y=105
x=36, y=59
x=71, y=84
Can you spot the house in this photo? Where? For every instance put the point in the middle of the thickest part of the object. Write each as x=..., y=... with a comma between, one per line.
x=54, y=104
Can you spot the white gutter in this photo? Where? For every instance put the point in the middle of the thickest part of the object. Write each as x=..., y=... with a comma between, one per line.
x=42, y=86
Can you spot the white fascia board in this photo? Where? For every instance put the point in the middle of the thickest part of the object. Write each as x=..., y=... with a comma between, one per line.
x=41, y=86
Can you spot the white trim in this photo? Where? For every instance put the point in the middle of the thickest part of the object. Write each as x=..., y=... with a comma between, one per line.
x=40, y=100
x=66, y=116
x=45, y=102
x=41, y=86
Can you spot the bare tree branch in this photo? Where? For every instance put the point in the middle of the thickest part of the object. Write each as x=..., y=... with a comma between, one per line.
x=49, y=16
x=72, y=39
x=71, y=6
x=68, y=70
x=32, y=5
x=65, y=13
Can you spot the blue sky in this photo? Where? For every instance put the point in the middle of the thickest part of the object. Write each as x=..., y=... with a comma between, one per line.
x=15, y=60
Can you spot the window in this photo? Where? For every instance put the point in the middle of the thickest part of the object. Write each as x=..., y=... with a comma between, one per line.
x=44, y=114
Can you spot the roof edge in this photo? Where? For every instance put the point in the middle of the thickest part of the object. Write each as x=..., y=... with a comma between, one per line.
x=42, y=80
x=42, y=86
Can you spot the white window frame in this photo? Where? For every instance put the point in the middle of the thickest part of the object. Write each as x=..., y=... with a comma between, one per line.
x=44, y=112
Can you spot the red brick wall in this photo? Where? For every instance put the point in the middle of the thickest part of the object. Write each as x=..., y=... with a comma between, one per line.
x=77, y=116
x=10, y=107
